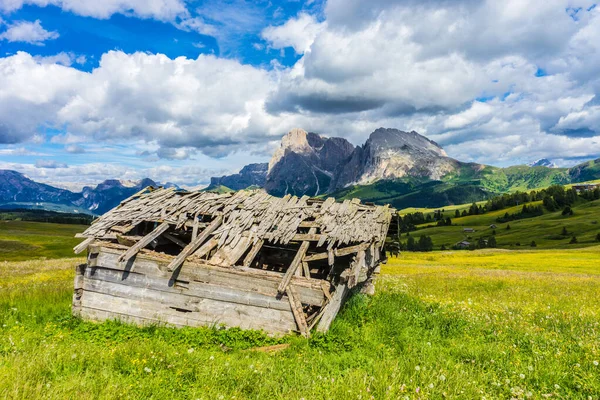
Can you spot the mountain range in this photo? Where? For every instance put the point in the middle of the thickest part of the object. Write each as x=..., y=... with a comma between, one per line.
x=404, y=169
x=18, y=191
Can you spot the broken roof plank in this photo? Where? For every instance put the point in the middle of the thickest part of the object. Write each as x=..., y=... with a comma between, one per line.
x=143, y=242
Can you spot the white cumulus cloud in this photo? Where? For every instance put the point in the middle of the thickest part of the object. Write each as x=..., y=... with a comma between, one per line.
x=28, y=32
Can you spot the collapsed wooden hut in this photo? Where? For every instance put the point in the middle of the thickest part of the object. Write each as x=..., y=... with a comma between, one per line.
x=243, y=259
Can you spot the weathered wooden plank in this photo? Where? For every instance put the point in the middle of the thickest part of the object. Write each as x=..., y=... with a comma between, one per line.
x=310, y=237
x=190, y=248
x=206, y=248
x=83, y=245
x=189, y=288
x=204, y=313
x=298, y=312
x=250, y=279
x=332, y=308
x=253, y=252
x=295, y=263
x=133, y=250
x=344, y=251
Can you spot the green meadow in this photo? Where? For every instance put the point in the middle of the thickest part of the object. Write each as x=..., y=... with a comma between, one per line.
x=25, y=240
x=545, y=230
x=493, y=324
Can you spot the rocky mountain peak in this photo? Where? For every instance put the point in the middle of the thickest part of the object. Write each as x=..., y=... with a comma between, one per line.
x=386, y=139
x=296, y=141
x=543, y=162
x=305, y=163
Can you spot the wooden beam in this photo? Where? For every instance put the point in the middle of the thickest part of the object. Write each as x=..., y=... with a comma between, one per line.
x=190, y=248
x=297, y=311
x=295, y=263
x=175, y=240
x=332, y=308
x=206, y=248
x=253, y=252
x=337, y=252
x=303, y=237
x=145, y=241
x=83, y=245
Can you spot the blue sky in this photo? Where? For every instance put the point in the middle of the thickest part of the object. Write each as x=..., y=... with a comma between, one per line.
x=184, y=90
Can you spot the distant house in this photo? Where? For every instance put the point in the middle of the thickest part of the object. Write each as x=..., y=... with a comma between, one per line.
x=586, y=186
x=468, y=230
x=462, y=245
x=493, y=226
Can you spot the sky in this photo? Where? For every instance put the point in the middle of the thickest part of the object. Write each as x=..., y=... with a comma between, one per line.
x=180, y=91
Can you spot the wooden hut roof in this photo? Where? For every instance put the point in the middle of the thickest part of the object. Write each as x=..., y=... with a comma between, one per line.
x=250, y=213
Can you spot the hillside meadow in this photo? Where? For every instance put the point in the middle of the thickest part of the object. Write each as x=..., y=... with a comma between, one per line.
x=545, y=230
x=484, y=324
x=26, y=240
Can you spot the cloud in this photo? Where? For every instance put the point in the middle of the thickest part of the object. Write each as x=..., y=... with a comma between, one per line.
x=163, y=10
x=51, y=164
x=210, y=103
x=74, y=149
x=28, y=32
x=299, y=33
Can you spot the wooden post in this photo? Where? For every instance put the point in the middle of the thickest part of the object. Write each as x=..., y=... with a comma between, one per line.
x=295, y=263
x=297, y=310
x=190, y=248
x=145, y=241
x=332, y=308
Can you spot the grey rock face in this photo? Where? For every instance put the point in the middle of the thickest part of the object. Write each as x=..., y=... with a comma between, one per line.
x=393, y=154
x=250, y=175
x=305, y=163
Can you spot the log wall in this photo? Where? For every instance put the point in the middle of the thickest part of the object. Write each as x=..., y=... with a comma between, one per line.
x=142, y=291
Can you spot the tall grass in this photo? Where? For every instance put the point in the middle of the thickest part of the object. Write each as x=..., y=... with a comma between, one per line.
x=438, y=328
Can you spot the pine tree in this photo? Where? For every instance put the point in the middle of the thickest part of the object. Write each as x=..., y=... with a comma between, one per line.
x=508, y=227
x=598, y=237
x=573, y=240
x=410, y=244
x=533, y=244
x=492, y=242
x=457, y=214
x=564, y=231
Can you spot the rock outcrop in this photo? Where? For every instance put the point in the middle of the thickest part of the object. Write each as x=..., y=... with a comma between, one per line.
x=305, y=163
x=393, y=154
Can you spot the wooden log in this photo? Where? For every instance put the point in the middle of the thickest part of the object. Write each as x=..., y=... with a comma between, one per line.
x=295, y=263
x=83, y=245
x=204, y=313
x=190, y=248
x=332, y=308
x=250, y=279
x=133, y=250
x=106, y=281
x=298, y=312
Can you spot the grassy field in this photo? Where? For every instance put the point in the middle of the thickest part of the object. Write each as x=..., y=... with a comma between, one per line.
x=483, y=324
x=20, y=240
x=545, y=230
